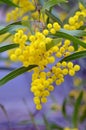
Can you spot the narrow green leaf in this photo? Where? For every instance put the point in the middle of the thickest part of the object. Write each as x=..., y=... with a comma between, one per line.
x=55, y=126
x=8, y=47
x=53, y=43
x=1, y=26
x=48, y=127
x=76, y=33
x=76, y=110
x=64, y=107
x=74, y=56
x=27, y=24
x=5, y=38
x=52, y=3
x=71, y=38
x=75, y=46
x=48, y=18
x=82, y=27
x=4, y=111
x=15, y=73
x=9, y=2
x=11, y=27
x=31, y=115
x=6, y=115
x=54, y=18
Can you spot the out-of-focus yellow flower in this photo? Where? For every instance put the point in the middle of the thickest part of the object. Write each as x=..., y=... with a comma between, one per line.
x=67, y=128
x=35, y=15
x=56, y=107
x=39, y=16
x=77, y=20
x=25, y=18
x=81, y=6
x=63, y=15
x=77, y=81
x=17, y=13
x=75, y=94
x=82, y=109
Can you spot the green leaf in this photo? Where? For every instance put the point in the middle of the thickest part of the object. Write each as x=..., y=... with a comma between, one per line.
x=75, y=46
x=82, y=27
x=46, y=123
x=9, y=2
x=74, y=56
x=8, y=47
x=48, y=18
x=64, y=107
x=52, y=3
x=5, y=38
x=55, y=126
x=11, y=27
x=70, y=37
x=53, y=43
x=27, y=23
x=15, y=73
x=76, y=33
x=6, y=115
x=1, y=26
x=4, y=111
x=54, y=18
x=76, y=110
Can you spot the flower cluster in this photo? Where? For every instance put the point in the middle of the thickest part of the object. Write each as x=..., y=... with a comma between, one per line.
x=33, y=51
x=76, y=21
x=42, y=82
x=24, y=7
